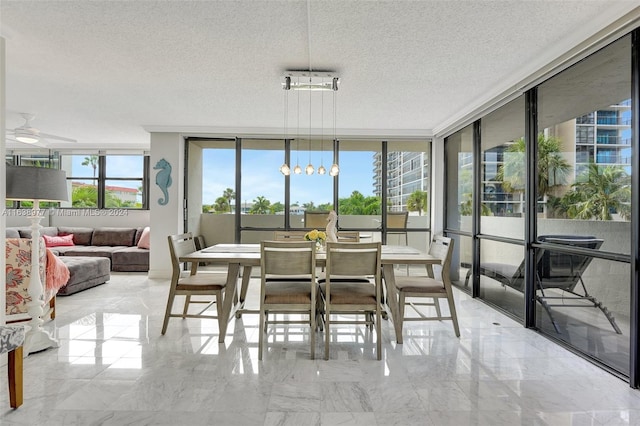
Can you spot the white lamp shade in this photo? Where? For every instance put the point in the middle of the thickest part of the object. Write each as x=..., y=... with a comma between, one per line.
x=36, y=183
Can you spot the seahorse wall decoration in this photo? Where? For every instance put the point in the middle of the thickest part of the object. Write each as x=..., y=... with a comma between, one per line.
x=163, y=179
x=332, y=220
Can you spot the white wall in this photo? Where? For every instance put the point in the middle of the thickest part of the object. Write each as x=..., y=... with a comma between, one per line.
x=194, y=183
x=165, y=219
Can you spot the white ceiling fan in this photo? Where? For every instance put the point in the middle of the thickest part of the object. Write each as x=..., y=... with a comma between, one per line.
x=30, y=135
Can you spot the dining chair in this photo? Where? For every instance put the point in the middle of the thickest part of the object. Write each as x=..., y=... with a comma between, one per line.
x=198, y=284
x=281, y=235
x=343, y=291
x=287, y=286
x=348, y=236
x=316, y=220
x=411, y=287
x=397, y=222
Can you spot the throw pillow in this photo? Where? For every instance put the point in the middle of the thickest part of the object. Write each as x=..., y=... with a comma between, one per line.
x=59, y=240
x=145, y=238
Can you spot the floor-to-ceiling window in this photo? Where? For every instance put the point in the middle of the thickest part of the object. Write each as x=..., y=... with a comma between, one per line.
x=241, y=178
x=502, y=184
x=547, y=209
x=459, y=201
x=584, y=204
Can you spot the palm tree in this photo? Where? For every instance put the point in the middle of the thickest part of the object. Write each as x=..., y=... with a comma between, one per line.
x=277, y=207
x=417, y=201
x=92, y=161
x=229, y=195
x=84, y=196
x=553, y=170
x=599, y=192
x=260, y=205
x=221, y=205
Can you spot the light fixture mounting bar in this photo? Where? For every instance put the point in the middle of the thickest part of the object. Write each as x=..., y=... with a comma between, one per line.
x=310, y=80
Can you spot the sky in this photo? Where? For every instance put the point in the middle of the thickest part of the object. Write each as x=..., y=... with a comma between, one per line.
x=117, y=166
x=261, y=175
x=128, y=166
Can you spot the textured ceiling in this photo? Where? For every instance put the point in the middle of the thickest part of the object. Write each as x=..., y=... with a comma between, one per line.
x=102, y=71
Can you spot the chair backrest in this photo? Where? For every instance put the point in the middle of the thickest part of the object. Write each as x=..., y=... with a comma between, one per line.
x=564, y=270
x=349, y=236
x=442, y=248
x=286, y=258
x=180, y=245
x=353, y=259
x=315, y=220
x=397, y=219
x=289, y=235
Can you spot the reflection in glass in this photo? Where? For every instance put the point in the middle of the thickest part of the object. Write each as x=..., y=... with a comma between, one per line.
x=503, y=160
x=459, y=192
x=587, y=110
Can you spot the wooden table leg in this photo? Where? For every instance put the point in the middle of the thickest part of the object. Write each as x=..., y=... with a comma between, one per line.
x=246, y=276
x=229, y=296
x=15, y=377
x=392, y=298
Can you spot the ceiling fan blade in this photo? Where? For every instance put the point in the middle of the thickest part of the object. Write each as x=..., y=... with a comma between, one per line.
x=17, y=143
x=60, y=138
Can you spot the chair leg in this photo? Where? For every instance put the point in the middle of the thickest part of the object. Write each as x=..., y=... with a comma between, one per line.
x=327, y=321
x=401, y=308
x=378, y=337
x=187, y=301
x=312, y=317
x=436, y=304
x=262, y=328
x=172, y=296
x=15, y=377
x=452, y=311
x=52, y=306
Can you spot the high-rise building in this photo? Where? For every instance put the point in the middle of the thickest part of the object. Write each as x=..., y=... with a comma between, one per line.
x=407, y=172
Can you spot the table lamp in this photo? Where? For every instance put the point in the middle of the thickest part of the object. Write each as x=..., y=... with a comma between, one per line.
x=36, y=184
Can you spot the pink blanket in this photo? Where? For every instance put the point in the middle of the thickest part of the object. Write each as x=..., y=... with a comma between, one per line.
x=57, y=272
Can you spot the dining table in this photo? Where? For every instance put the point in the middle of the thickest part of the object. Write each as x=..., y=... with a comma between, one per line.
x=244, y=257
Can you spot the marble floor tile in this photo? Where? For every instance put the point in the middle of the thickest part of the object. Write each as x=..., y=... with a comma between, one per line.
x=114, y=368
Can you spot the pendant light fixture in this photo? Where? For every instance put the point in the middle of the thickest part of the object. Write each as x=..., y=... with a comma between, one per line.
x=334, y=87
x=297, y=169
x=321, y=169
x=312, y=81
x=284, y=169
x=309, y=169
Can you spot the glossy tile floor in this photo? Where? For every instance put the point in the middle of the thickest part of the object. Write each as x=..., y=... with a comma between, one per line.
x=114, y=368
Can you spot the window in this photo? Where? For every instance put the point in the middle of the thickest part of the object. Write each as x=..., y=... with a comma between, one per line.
x=107, y=181
x=584, y=134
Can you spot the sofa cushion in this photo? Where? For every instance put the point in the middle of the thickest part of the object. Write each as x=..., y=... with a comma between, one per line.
x=58, y=240
x=130, y=259
x=145, y=239
x=12, y=233
x=81, y=236
x=85, y=272
x=113, y=237
x=138, y=235
x=95, y=251
x=25, y=232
